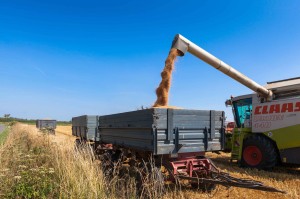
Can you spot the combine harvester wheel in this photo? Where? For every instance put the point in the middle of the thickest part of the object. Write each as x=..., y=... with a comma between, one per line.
x=258, y=152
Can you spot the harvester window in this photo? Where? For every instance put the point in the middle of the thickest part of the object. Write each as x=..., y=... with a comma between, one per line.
x=242, y=111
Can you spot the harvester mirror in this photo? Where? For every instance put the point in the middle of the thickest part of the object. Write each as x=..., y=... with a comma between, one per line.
x=228, y=103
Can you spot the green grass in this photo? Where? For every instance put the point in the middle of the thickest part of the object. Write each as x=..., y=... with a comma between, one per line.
x=4, y=135
x=25, y=169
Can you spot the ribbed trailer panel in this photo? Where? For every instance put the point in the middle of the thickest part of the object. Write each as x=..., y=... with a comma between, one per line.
x=164, y=131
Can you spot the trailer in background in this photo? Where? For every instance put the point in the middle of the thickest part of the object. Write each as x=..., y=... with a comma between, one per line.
x=46, y=125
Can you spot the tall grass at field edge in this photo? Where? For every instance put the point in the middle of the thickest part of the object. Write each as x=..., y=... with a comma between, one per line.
x=4, y=135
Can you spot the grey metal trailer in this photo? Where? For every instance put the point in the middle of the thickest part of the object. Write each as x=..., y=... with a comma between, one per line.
x=156, y=130
x=164, y=131
x=47, y=124
x=85, y=127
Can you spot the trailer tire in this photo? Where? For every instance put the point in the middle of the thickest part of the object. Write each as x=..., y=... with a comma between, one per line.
x=78, y=142
x=259, y=152
x=107, y=165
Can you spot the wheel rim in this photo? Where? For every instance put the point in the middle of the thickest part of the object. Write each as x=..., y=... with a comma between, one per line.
x=252, y=155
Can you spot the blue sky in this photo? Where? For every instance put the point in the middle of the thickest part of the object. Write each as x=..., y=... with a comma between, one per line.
x=60, y=59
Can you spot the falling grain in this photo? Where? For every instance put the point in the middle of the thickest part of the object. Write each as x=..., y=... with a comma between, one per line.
x=162, y=92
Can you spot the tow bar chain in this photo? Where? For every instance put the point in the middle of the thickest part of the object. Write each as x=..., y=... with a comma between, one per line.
x=224, y=179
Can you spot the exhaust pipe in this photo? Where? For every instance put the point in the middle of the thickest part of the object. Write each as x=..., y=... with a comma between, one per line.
x=184, y=45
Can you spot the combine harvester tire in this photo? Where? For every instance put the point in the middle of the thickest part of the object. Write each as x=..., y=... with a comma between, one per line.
x=259, y=152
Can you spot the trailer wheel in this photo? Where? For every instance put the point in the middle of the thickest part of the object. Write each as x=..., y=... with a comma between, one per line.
x=258, y=152
x=107, y=164
x=78, y=142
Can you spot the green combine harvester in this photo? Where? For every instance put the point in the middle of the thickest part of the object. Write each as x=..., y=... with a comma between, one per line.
x=267, y=130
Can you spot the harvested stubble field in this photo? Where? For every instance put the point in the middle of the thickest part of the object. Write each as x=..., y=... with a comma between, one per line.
x=35, y=165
